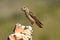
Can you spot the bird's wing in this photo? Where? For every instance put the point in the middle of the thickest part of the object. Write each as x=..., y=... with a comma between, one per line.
x=36, y=20
x=34, y=17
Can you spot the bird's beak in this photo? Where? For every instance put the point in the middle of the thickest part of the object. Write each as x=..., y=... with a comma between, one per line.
x=22, y=9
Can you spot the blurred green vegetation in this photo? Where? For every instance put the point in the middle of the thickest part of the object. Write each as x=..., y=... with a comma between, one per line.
x=47, y=11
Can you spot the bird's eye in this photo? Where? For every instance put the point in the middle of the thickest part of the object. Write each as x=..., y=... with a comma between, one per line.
x=24, y=7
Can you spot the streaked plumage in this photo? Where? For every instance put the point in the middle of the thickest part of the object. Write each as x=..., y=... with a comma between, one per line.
x=31, y=17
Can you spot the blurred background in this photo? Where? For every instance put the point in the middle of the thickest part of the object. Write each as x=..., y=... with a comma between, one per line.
x=47, y=11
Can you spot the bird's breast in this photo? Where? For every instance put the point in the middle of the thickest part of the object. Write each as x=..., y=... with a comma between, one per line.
x=30, y=18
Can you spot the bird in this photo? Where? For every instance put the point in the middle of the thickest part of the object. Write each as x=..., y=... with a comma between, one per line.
x=32, y=18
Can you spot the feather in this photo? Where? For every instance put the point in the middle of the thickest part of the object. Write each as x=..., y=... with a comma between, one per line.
x=36, y=21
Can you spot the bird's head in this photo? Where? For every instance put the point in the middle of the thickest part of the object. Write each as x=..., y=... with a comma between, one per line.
x=25, y=8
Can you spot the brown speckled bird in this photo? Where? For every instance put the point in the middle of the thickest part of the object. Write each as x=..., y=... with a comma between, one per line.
x=31, y=17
